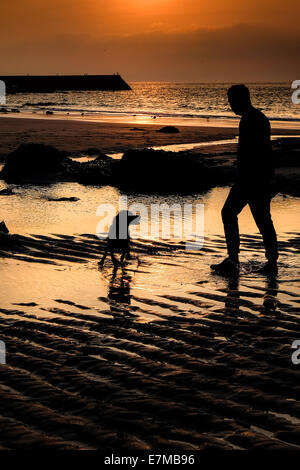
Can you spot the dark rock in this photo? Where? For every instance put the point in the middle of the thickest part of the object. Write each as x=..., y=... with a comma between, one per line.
x=160, y=171
x=6, y=240
x=286, y=152
x=32, y=162
x=102, y=158
x=59, y=199
x=169, y=130
x=49, y=112
x=6, y=192
x=144, y=170
x=3, y=110
x=3, y=228
x=92, y=151
x=101, y=170
x=26, y=304
x=15, y=110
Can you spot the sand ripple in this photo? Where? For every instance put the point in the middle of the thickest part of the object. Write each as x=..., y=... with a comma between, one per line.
x=205, y=366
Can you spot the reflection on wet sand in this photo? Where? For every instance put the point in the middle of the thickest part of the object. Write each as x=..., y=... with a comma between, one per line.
x=158, y=355
x=119, y=287
x=232, y=301
x=118, y=295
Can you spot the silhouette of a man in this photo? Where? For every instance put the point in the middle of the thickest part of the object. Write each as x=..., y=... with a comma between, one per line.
x=253, y=185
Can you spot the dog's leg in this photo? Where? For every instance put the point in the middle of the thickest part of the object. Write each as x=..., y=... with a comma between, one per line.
x=125, y=254
x=101, y=262
x=113, y=258
x=113, y=277
x=130, y=256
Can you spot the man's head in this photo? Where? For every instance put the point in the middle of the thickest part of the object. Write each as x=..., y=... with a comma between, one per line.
x=239, y=98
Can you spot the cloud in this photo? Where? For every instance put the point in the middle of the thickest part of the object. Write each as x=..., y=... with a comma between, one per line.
x=240, y=52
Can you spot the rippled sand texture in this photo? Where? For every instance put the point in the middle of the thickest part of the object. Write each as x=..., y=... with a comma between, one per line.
x=160, y=353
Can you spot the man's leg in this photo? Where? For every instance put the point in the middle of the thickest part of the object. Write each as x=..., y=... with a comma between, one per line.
x=260, y=208
x=234, y=204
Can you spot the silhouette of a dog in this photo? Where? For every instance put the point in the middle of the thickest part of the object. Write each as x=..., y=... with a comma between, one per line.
x=119, y=237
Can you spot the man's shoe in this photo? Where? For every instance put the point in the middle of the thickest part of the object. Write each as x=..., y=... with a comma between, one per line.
x=228, y=267
x=270, y=268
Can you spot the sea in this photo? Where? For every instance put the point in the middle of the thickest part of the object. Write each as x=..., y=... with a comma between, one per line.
x=178, y=101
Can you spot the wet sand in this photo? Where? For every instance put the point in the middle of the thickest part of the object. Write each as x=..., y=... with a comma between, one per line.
x=79, y=134
x=76, y=135
x=168, y=356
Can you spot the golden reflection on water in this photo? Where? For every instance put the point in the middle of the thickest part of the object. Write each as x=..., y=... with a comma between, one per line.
x=163, y=284
x=29, y=211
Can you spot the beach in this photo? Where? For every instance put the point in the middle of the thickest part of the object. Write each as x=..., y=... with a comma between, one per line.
x=80, y=134
x=164, y=356
x=75, y=133
x=161, y=354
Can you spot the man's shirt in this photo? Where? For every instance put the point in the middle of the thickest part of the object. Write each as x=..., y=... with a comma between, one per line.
x=254, y=154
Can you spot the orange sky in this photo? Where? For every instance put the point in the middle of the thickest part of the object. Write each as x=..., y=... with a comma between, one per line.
x=188, y=40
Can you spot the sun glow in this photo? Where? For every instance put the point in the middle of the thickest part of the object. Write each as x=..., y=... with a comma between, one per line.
x=161, y=5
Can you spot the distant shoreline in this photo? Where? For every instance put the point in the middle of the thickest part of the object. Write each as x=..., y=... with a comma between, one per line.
x=230, y=122
x=129, y=118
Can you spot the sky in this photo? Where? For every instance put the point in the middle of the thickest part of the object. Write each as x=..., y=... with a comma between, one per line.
x=153, y=40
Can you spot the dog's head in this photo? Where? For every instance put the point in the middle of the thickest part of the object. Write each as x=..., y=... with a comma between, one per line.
x=120, y=224
x=127, y=218
x=133, y=218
